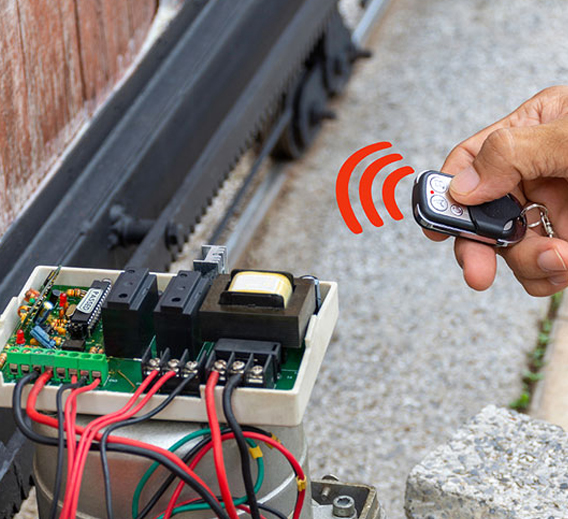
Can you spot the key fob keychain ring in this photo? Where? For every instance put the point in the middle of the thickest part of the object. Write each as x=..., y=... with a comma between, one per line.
x=543, y=218
x=501, y=222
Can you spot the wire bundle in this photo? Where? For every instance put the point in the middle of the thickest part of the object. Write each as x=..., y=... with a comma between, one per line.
x=92, y=437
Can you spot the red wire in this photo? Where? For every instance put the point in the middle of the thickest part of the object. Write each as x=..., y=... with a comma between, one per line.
x=217, y=449
x=52, y=422
x=70, y=417
x=256, y=436
x=247, y=510
x=96, y=425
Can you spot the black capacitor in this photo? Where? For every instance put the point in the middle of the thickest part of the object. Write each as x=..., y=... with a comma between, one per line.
x=54, y=297
x=128, y=326
x=175, y=316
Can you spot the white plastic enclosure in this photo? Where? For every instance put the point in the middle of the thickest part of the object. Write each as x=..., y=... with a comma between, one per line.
x=251, y=405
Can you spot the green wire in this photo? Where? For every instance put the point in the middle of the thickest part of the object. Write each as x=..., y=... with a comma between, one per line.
x=196, y=506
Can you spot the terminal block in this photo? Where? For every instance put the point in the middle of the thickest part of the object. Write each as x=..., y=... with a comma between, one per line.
x=64, y=364
x=182, y=365
x=259, y=361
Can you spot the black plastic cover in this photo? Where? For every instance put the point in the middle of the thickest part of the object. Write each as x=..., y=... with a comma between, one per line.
x=128, y=326
x=491, y=218
x=175, y=315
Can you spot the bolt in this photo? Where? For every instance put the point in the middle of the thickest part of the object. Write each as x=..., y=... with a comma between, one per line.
x=343, y=506
x=220, y=365
x=154, y=363
x=191, y=365
x=324, y=494
x=238, y=365
x=257, y=370
x=173, y=364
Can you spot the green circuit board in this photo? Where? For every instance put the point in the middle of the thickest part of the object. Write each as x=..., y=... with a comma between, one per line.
x=22, y=352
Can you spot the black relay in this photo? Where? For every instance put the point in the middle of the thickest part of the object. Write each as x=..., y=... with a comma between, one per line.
x=175, y=316
x=128, y=326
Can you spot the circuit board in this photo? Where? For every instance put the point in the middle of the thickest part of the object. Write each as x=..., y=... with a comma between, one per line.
x=22, y=351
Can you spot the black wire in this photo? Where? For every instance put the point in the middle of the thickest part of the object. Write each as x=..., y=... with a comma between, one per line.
x=29, y=433
x=137, y=419
x=230, y=387
x=60, y=445
x=273, y=511
x=169, y=480
x=187, y=456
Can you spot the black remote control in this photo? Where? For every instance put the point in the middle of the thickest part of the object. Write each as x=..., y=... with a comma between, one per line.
x=499, y=222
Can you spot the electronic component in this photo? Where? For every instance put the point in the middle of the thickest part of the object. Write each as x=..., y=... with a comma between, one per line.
x=175, y=316
x=258, y=288
x=182, y=365
x=63, y=363
x=44, y=312
x=258, y=360
x=284, y=325
x=270, y=382
x=39, y=299
x=74, y=345
x=54, y=296
x=128, y=325
x=88, y=311
x=42, y=337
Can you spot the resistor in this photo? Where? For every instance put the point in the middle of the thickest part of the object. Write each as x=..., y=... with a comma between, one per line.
x=57, y=340
x=60, y=330
x=3, y=358
x=31, y=294
x=75, y=292
x=23, y=310
x=61, y=313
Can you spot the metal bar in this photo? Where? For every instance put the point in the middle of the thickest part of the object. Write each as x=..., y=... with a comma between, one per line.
x=255, y=212
x=373, y=12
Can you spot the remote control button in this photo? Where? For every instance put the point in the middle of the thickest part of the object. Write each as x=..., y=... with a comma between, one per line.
x=456, y=209
x=439, y=203
x=440, y=185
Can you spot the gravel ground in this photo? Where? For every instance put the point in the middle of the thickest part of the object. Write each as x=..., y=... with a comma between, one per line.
x=415, y=351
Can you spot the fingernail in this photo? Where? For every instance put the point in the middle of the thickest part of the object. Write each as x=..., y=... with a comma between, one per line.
x=465, y=181
x=560, y=279
x=551, y=261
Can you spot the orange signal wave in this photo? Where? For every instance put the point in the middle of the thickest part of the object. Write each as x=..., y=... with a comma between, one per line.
x=342, y=184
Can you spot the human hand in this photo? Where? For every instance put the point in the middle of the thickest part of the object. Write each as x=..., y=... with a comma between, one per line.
x=525, y=154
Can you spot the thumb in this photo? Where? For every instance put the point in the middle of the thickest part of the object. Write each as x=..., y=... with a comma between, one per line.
x=510, y=155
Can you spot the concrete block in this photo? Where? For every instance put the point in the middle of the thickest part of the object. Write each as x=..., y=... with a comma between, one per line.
x=501, y=464
x=550, y=400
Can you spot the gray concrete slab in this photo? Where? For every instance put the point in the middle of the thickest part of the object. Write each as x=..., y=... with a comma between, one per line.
x=416, y=352
x=500, y=464
x=550, y=399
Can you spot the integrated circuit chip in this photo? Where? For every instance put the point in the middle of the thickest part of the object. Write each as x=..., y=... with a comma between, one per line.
x=88, y=311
